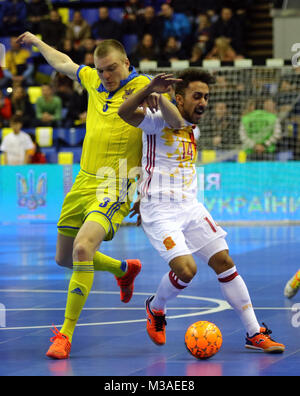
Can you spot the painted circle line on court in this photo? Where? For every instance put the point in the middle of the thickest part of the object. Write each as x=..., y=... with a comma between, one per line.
x=222, y=305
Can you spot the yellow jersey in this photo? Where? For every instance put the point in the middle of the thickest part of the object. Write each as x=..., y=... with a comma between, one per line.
x=109, y=141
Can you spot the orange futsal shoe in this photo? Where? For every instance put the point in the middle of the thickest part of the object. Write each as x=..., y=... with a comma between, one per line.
x=126, y=282
x=156, y=324
x=263, y=342
x=61, y=346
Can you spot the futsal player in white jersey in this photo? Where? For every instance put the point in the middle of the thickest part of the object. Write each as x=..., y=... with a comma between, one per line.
x=178, y=226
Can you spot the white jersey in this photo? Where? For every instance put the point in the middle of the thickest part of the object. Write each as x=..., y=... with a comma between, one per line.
x=15, y=147
x=169, y=156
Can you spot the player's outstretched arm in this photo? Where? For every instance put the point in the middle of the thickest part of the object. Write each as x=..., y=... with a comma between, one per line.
x=130, y=112
x=58, y=60
x=170, y=113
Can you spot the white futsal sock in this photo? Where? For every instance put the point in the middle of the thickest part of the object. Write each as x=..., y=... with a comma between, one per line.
x=236, y=293
x=170, y=286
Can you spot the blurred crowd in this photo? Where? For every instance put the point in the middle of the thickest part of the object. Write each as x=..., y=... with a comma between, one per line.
x=165, y=30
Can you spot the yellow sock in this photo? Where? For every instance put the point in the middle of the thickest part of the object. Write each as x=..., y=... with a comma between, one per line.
x=79, y=288
x=106, y=263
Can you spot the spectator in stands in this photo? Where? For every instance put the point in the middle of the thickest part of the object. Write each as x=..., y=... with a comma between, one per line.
x=62, y=86
x=222, y=83
x=53, y=30
x=241, y=9
x=18, y=65
x=77, y=109
x=48, y=108
x=37, y=11
x=149, y=23
x=22, y=107
x=209, y=7
x=146, y=50
x=105, y=27
x=288, y=94
x=174, y=24
x=172, y=51
x=224, y=128
x=228, y=26
x=16, y=145
x=13, y=14
x=260, y=131
x=78, y=30
x=36, y=156
x=89, y=59
x=5, y=110
x=75, y=54
x=196, y=56
x=202, y=31
x=249, y=106
x=287, y=99
x=223, y=51
x=132, y=10
x=87, y=47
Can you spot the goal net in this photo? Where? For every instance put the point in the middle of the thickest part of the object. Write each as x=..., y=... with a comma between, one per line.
x=253, y=115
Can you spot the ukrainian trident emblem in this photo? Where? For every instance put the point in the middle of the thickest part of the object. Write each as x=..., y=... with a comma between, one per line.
x=31, y=192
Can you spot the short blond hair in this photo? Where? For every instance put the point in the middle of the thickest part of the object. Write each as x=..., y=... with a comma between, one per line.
x=104, y=48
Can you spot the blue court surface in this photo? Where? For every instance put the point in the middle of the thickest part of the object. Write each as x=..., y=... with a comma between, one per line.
x=111, y=340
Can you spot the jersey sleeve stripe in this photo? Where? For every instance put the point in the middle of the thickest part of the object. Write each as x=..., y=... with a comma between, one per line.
x=77, y=73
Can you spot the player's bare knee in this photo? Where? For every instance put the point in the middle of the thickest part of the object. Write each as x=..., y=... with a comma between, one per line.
x=81, y=251
x=221, y=262
x=64, y=262
x=186, y=270
x=188, y=274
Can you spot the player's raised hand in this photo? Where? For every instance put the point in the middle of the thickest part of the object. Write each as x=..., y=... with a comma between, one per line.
x=162, y=82
x=27, y=38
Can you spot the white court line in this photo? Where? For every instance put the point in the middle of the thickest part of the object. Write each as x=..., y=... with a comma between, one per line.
x=214, y=300
x=221, y=306
x=198, y=313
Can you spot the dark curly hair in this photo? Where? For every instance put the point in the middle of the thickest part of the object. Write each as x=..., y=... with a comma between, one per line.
x=191, y=75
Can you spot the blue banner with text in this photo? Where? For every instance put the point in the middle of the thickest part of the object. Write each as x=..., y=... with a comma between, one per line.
x=258, y=191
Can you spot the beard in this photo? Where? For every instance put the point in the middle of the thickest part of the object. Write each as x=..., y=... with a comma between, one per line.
x=193, y=116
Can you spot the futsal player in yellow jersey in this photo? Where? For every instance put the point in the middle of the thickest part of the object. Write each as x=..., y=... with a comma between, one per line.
x=99, y=199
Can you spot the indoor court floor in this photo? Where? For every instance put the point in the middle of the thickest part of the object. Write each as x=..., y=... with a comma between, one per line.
x=111, y=340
